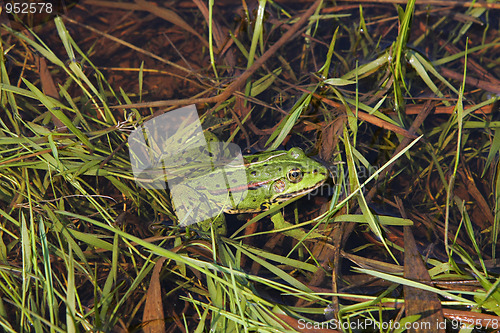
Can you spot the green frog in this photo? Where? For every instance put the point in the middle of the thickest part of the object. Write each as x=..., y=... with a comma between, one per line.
x=207, y=177
x=261, y=181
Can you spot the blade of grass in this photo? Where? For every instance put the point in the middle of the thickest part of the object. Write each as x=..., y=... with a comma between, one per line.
x=459, y=116
x=211, y=37
x=57, y=112
x=70, y=293
x=419, y=68
x=356, y=186
x=289, y=121
x=49, y=284
x=418, y=285
x=399, y=52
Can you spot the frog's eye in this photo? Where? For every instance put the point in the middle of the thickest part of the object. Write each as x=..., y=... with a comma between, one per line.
x=295, y=175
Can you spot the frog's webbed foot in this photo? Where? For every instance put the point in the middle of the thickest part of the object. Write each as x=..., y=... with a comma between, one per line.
x=218, y=223
x=294, y=232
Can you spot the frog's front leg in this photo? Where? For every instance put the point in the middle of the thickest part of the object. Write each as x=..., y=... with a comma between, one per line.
x=297, y=233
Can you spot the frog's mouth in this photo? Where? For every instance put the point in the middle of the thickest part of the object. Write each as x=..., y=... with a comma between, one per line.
x=287, y=196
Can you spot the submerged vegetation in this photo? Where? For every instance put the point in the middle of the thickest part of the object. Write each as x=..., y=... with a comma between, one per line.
x=399, y=101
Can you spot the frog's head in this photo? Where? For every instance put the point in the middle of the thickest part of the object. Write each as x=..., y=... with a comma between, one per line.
x=277, y=176
x=299, y=175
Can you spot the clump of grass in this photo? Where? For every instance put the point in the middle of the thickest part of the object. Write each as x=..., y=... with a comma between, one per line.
x=76, y=249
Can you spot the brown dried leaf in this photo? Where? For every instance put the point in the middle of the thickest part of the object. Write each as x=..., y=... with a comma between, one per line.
x=153, y=316
x=169, y=16
x=417, y=301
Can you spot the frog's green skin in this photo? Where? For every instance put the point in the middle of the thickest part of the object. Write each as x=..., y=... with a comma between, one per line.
x=278, y=176
x=272, y=177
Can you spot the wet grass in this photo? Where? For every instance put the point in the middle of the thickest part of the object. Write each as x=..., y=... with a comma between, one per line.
x=400, y=102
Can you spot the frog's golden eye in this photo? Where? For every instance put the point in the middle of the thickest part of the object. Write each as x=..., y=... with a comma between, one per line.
x=295, y=175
